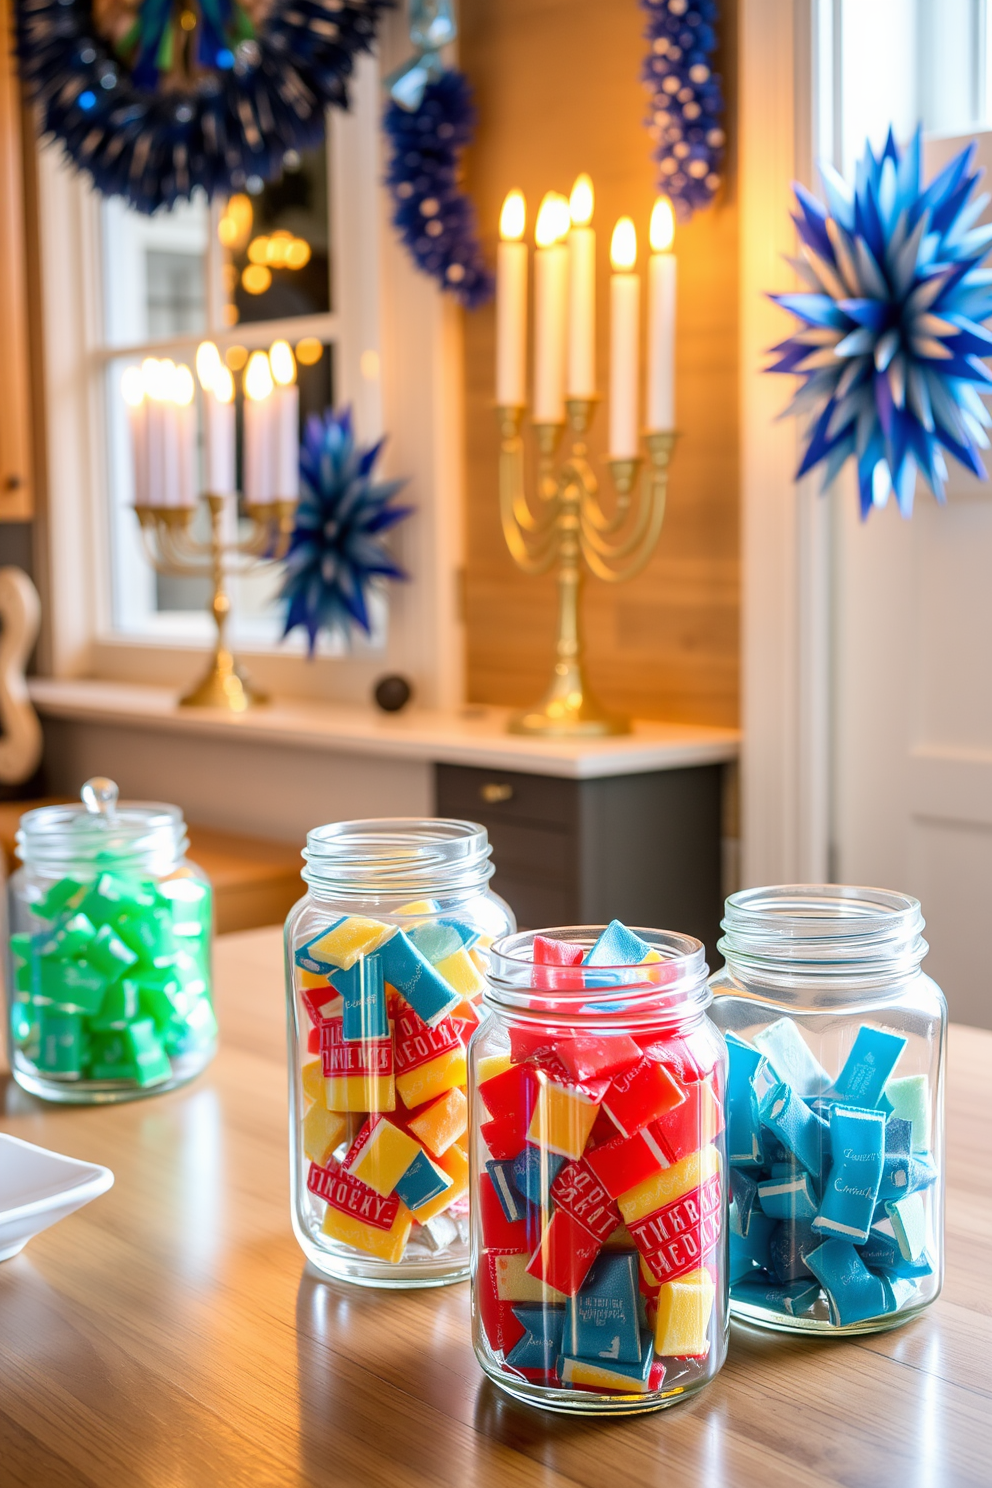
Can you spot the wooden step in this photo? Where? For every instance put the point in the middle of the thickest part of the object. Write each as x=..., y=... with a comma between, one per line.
x=255, y=882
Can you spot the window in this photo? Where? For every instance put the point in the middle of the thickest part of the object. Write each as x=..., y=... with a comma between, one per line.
x=242, y=273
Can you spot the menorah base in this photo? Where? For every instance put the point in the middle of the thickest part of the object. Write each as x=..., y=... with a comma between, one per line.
x=568, y=711
x=226, y=685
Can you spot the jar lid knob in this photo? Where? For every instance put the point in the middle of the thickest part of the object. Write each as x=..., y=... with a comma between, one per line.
x=99, y=796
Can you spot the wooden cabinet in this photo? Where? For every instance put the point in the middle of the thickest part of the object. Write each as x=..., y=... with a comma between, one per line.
x=644, y=848
x=16, y=494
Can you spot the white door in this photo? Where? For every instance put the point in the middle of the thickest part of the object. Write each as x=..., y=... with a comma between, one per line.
x=912, y=600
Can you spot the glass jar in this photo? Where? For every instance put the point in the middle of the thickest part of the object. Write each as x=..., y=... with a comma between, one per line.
x=598, y=1174
x=384, y=963
x=834, y=1108
x=108, y=965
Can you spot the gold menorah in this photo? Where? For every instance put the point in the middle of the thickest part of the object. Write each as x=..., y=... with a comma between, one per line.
x=569, y=524
x=171, y=549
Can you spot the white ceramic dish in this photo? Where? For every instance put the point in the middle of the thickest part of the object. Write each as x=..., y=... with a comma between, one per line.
x=38, y=1188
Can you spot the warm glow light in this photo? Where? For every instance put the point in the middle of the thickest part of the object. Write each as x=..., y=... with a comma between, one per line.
x=662, y=225
x=282, y=363
x=553, y=220
x=258, y=250
x=235, y=357
x=309, y=351
x=277, y=247
x=298, y=254
x=235, y=225
x=256, y=278
x=183, y=386
x=150, y=377
x=513, y=217
x=581, y=201
x=623, y=246
x=208, y=364
x=133, y=387
x=258, y=377
x=223, y=386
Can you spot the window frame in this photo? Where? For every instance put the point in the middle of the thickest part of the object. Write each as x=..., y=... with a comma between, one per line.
x=412, y=388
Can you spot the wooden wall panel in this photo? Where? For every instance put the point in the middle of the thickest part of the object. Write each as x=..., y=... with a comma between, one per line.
x=16, y=498
x=558, y=91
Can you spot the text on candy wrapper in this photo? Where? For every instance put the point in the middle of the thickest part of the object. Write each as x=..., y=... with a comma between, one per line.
x=354, y=1057
x=350, y=1196
x=676, y=1238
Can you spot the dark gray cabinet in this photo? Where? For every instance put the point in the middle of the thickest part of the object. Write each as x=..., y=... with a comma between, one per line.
x=641, y=848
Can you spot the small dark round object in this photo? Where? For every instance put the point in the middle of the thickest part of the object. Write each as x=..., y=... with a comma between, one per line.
x=392, y=693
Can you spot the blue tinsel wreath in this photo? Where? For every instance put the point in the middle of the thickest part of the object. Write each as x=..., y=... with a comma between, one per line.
x=336, y=549
x=435, y=218
x=152, y=131
x=891, y=343
x=686, y=100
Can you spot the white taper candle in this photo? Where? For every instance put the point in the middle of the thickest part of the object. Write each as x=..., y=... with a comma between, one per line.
x=511, y=304
x=625, y=303
x=581, y=380
x=662, y=278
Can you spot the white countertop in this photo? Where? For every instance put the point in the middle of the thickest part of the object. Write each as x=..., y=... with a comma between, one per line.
x=474, y=735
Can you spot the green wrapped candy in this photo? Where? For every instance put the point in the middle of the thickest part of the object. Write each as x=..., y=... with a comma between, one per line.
x=20, y=1019
x=119, y=1006
x=61, y=1044
x=59, y=896
x=70, y=985
x=130, y=1053
x=108, y=954
x=71, y=939
x=150, y=935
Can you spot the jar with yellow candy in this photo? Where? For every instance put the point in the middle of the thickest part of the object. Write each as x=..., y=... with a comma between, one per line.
x=385, y=958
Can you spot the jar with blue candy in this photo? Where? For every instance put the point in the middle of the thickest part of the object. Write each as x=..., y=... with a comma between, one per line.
x=599, y=1179
x=385, y=958
x=836, y=1041
x=108, y=956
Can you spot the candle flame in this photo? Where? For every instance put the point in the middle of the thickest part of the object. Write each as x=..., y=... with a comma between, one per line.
x=623, y=246
x=513, y=217
x=223, y=388
x=662, y=225
x=133, y=387
x=208, y=364
x=151, y=378
x=183, y=386
x=258, y=377
x=553, y=220
x=581, y=201
x=282, y=363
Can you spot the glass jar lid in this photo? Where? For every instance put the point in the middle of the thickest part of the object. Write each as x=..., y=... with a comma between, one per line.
x=656, y=992
x=103, y=832
x=387, y=859
x=814, y=930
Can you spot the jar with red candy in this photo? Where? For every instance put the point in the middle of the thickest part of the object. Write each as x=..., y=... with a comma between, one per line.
x=598, y=1170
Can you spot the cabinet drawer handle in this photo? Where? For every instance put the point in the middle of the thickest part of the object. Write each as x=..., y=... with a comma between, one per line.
x=492, y=793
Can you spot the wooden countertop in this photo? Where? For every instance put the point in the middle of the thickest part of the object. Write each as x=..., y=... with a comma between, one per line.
x=170, y=1334
x=469, y=736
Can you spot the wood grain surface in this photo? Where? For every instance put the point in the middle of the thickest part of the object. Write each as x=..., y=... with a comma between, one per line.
x=170, y=1333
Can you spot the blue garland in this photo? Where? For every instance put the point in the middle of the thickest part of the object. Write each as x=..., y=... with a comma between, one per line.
x=891, y=342
x=435, y=218
x=686, y=101
x=238, y=98
x=336, y=550
x=430, y=119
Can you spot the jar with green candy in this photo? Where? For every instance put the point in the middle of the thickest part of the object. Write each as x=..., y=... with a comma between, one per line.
x=108, y=964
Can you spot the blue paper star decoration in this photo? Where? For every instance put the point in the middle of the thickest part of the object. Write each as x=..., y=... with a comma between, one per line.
x=336, y=552
x=892, y=335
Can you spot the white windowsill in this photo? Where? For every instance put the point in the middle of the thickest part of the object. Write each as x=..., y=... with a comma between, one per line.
x=472, y=736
